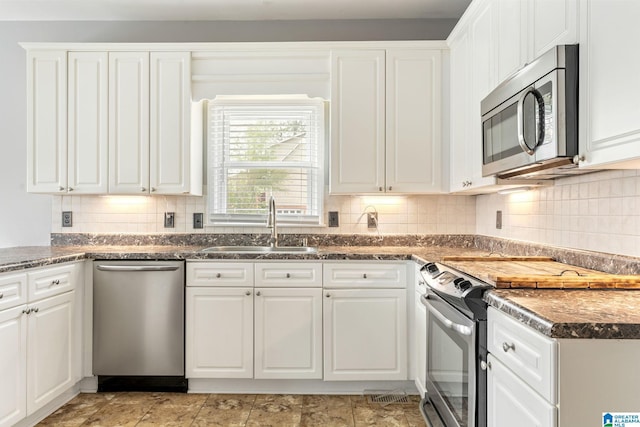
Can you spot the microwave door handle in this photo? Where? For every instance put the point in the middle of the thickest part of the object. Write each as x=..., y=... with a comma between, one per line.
x=541, y=131
x=461, y=329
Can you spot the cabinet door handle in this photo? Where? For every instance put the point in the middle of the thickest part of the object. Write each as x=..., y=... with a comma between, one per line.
x=379, y=188
x=364, y=276
x=390, y=188
x=218, y=275
x=328, y=295
x=258, y=293
x=61, y=188
x=1, y=295
x=153, y=189
x=70, y=189
x=288, y=275
x=506, y=347
x=247, y=293
x=35, y=310
x=26, y=311
x=143, y=189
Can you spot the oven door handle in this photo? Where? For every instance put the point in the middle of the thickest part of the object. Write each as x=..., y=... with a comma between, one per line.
x=461, y=329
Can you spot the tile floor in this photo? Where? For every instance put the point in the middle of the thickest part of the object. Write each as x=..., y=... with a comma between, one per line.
x=174, y=409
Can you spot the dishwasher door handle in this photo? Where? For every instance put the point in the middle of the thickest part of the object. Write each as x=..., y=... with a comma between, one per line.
x=137, y=267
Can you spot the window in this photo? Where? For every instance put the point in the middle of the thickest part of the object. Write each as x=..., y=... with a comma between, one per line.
x=263, y=146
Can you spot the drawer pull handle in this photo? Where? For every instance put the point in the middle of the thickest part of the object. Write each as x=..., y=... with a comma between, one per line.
x=1, y=295
x=218, y=275
x=364, y=276
x=55, y=282
x=35, y=310
x=288, y=275
x=26, y=311
x=506, y=347
x=247, y=293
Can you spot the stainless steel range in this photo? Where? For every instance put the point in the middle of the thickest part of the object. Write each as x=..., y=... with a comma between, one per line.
x=456, y=380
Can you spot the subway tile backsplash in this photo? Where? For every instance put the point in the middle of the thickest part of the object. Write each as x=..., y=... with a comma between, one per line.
x=597, y=212
x=396, y=215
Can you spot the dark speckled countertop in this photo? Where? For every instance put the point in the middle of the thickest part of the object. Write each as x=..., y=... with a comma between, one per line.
x=605, y=314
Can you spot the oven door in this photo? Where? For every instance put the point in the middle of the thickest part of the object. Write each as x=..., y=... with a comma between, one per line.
x=451, y=363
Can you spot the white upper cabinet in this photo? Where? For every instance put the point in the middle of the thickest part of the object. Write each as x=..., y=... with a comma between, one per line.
x=609, y=84
x=170, y=144
x=109, y=122
x=413, y=126
x=357, y=121
x=47, y=121
x=552, y=22
x=88, y=148
x=129, y=122
x=386, y=121
x=511, y=31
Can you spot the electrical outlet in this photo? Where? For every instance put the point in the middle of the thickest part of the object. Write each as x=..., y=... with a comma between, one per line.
x=197, y=220
x=67, y=219
x=372, y=219
x=499, y=220
x=333, y=219
x=169, y=219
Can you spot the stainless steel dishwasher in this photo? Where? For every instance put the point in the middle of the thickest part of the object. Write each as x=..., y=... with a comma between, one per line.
x=138, y=325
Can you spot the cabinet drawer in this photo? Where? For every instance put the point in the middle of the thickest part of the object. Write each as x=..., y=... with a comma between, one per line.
x=526, y=352
x=287, y=274
x=219, y=274
x=13, y=290
x=364, y=275
x=50, y=281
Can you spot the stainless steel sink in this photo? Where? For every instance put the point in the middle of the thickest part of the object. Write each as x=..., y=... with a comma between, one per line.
x=262, y=249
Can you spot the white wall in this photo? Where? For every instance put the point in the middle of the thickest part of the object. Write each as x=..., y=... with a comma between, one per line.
x=598, y=212
x=25, y=219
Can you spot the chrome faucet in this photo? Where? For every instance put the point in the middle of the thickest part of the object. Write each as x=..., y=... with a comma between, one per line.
x=271, y=223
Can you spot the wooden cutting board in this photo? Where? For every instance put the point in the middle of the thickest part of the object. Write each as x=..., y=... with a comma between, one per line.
x=538, y=272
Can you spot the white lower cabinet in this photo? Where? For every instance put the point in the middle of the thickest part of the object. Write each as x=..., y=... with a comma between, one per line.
x=13, y=365
x=269, y=332
x=511, y=402
x=219, y=332
x=50, y=343
x=365, y=334
x=288, y=333
x=40, y=352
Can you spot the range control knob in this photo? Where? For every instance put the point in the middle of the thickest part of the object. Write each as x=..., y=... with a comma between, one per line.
x=463, y=285
x=431, y=268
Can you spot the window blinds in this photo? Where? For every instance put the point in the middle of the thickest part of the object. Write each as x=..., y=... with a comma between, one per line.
x=263, y=147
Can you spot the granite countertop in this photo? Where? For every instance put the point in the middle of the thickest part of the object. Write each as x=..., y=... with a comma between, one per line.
x=574, y=313
x=36, y=256
x=604, y=314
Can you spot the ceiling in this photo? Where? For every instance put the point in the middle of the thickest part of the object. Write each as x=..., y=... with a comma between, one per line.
x=226, y=10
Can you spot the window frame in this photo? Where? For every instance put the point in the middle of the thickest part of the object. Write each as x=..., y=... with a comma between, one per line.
x=315, y=193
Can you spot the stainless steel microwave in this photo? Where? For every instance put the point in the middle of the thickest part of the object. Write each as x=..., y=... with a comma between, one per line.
x=530, y=121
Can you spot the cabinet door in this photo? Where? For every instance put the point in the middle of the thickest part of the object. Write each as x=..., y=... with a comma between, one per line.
x=13, y=366
x=88, y=113
x=413, y=121
x=609, y=85
x=511, y=37
x=47, y=121
x=365, y=334
x=219, y=333
x=288, y=333
x=554, y=22
x=357, y=121
x=51, y=346
x=128, y=122
x=510, y=402
x=170, y=150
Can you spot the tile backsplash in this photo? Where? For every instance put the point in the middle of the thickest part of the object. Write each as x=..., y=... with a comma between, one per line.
x=598, y=211
x=396, y=215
